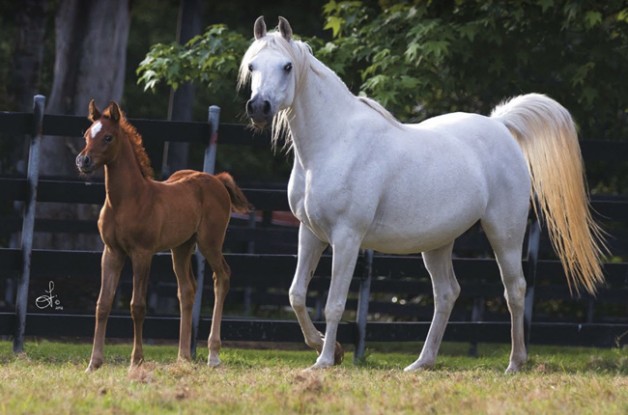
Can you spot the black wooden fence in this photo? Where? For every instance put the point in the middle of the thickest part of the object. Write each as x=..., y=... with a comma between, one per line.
x=390, y=298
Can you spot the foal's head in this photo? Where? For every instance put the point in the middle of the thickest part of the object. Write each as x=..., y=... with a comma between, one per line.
x=102, y=139
x=273, y=64
x=106, y=136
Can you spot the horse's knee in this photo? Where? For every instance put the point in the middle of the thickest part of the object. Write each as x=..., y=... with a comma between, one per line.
x=102, y=311
x=514, y=292
x=222, y=281
x=334, y=311
x=445, y=295
x=297, y=299
x=138, y=310
x=186, y=294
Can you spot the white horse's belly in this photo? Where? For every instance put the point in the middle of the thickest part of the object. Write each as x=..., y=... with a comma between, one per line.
x=421, y=230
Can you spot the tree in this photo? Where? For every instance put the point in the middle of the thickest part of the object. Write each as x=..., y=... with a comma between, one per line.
x=182, y=99
x=90, y=59
x=433, y=57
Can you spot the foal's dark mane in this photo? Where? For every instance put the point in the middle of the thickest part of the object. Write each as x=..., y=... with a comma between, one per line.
x=138, y=148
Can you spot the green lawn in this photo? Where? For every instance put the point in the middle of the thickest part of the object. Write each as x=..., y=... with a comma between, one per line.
x=49, y=379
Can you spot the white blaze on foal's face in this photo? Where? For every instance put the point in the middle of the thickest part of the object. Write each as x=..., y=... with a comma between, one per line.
x=95, y=129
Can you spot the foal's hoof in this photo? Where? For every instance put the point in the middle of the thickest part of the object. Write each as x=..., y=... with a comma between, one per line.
x=213, y=362
x=93, y=366
x=513, y=368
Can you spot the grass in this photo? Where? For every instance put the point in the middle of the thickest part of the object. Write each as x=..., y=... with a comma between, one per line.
x=49, y=379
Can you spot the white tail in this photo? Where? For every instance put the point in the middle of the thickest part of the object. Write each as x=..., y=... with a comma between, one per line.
x=547, y=135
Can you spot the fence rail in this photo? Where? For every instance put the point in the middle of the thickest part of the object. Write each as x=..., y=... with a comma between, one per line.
x=395, y=286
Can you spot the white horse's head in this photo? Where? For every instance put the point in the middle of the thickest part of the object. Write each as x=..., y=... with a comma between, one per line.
x=273, y=64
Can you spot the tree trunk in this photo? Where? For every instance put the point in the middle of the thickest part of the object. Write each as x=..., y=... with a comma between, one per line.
x=182, y=100
x=90, y=59
x=28, y=53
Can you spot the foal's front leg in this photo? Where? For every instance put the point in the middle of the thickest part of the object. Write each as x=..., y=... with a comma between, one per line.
x=141, y=270
x=111, y=266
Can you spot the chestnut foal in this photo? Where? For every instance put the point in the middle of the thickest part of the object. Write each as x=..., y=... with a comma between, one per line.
x=142, y=216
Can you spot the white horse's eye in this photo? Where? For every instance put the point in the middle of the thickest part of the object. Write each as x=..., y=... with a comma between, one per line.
x=288, y=67
x=250, y=67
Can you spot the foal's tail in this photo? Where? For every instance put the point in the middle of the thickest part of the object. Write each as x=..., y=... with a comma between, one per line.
x=239, y=203
x=547, y=135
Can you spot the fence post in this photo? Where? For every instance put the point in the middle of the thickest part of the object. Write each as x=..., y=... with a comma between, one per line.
x=363, y=306
x=209, y=165
x=534, y=239
x=28, y=224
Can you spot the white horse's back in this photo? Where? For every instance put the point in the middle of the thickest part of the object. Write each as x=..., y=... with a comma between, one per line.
x=437, y=178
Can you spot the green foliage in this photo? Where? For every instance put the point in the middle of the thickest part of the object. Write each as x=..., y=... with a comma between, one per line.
x=424, y=58
x=211, y=59
x=431, y=57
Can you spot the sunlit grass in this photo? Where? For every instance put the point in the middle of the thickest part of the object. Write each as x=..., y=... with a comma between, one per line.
x=49, y=378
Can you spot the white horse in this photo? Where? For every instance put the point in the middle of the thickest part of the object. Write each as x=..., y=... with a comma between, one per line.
x=361, y=179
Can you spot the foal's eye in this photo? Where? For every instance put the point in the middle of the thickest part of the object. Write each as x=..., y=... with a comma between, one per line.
x=288, y=67
x=250, y=67
x=108, y=138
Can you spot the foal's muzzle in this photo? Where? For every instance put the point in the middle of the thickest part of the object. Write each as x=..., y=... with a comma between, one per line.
x=84, y=163
x=259, y=111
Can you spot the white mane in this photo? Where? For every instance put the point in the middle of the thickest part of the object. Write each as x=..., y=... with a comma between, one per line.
x=302, y=59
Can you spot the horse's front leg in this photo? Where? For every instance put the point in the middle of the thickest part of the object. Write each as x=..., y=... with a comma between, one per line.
x=141, y=271
x=111, y=266
x=345, y=254
x=310, y=251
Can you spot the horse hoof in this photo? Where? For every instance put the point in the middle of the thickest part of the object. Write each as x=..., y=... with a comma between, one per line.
x=213, y=362
x=418, y=366
x=318, y=366
x=92, y=367
x=339, y=354
x=513, y=368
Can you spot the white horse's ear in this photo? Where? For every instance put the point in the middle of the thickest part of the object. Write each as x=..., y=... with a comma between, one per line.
x=259, y=29
x=285, y=29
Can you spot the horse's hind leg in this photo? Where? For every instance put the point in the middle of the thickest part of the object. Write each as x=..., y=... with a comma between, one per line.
x=211, y=248
x=111, y=267
x=446, y=291
x=141, y=270
x=507, y=241
x=181, y=261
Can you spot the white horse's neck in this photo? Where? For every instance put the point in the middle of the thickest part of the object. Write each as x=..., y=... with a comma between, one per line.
x=321, y=105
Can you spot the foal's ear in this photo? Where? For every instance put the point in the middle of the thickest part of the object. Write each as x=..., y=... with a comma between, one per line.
x=93, y=112
x=285, y=29
x=114, y=111
x=259, y=28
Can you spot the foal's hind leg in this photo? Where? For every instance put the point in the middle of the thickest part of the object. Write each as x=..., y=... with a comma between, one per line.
x=141, y=270
x=212, y=251
x=446, y=291
x=181, y=261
